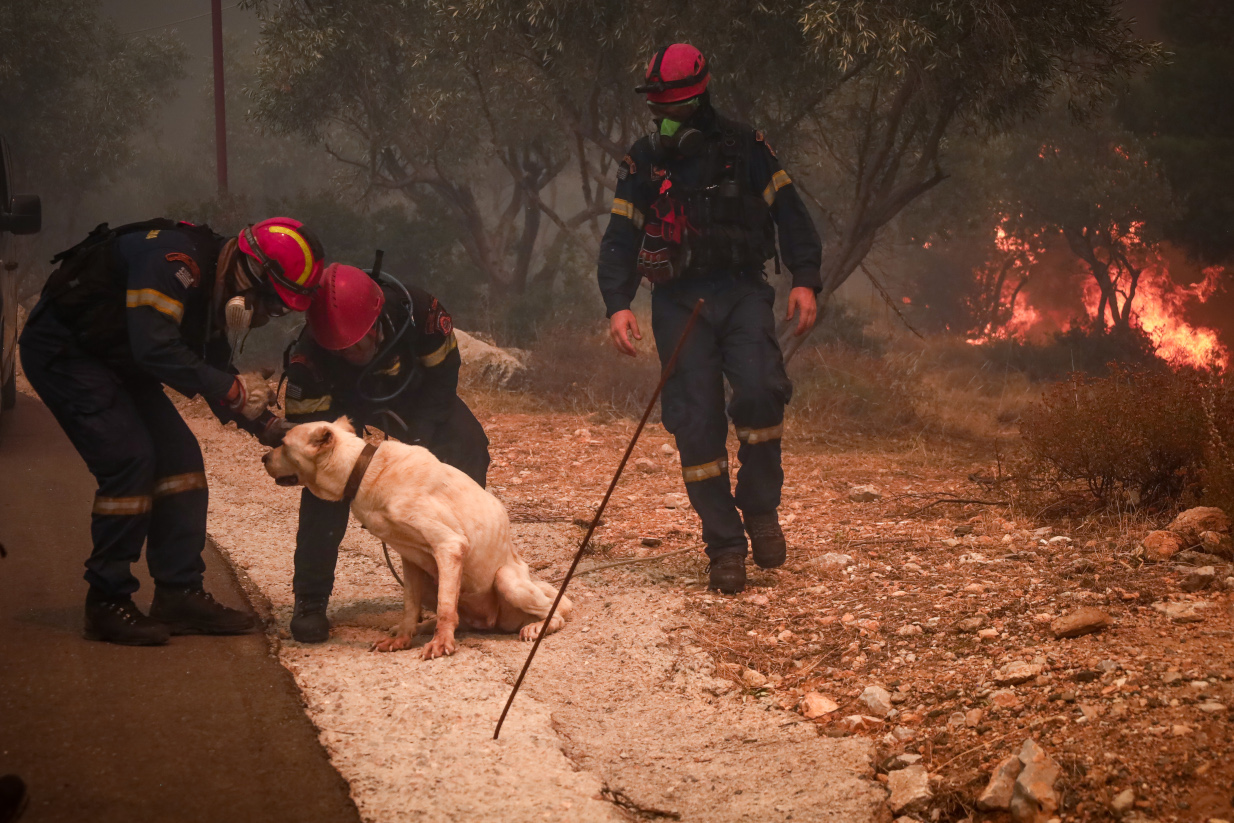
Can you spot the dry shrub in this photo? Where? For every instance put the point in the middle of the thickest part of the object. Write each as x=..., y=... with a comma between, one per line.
x=837, y=385
x=583, y=373
x=1218, y=473
x=1135, y=436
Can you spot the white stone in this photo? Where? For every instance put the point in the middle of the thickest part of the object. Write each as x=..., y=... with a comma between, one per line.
x=910, y=789
x=997, y=794
x=864, y=494
x=876, y=700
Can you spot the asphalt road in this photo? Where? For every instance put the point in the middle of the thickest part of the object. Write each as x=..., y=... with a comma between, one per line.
x=203, y=729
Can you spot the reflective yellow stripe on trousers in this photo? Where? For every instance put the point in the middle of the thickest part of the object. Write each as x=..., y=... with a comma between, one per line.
x=753, y=436
x=178, y=483
x=705, y=471
x=121, y=506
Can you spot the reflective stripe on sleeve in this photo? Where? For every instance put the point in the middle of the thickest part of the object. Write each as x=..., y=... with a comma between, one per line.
x=121, y=506
x=626, y=209
x=179, y=483
x=705, y=471
x=156, y=300
x=309, y=405
x=753, y=436
x=436, y=358
x=778, y=181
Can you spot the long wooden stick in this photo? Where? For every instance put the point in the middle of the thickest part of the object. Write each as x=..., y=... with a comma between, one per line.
x=595, y=521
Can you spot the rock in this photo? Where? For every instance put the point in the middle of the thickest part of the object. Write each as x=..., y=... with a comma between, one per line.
x=489, y=363
x=651, y=542
x=646, y=465
x=1017, y=672
x=909, y=630
x=876, y=700
x=1081, y=621
x=1123, y=802
x=1192, y=523
x=963, y=530
x=1171, y=677
x=752, y=679
x=864, y=494
x=972, y=718
x=667, y=449
x=1033, y=800
x=859, y=723
x=1201, y=578
x=1181, y=730
x=1005, y=699
x=1060, y=540
x=1218, y=544
x=910, y=790
x=1181, y=612
x=997, y=794
x=902, y=761
x=816, y=705
x=988, y=634
x=833, y=561
x=1162, y=545
x=1211, y=707
x=970, y=624
x=676, y=500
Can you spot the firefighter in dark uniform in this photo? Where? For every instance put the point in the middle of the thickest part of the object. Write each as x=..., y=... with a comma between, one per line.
x=127, y=312
x=696, y=210
x=383, y=355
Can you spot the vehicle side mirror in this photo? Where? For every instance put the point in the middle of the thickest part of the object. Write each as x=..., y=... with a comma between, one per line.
x=24, y=215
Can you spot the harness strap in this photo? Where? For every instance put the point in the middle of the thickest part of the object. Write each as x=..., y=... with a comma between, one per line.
x=357, y=472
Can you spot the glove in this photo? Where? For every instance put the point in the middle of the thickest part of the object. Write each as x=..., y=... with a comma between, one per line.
x=249, y=396
x=274, y=433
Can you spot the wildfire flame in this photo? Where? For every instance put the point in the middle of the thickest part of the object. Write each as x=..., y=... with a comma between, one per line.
x=1029, y=282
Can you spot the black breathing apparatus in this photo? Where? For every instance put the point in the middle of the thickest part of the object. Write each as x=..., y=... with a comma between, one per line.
x=393, y=339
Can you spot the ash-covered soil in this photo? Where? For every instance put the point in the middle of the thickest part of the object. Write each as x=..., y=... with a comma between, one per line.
x=623, y=715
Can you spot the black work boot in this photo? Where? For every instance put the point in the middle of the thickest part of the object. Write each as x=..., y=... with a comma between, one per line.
x=118, y=620
x=194, y=611
x=766, y=540
x=309, y=623
x=727, y=573
x=13, y=798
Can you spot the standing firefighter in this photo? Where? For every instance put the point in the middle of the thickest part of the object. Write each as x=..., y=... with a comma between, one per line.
x=697, y=205
x=383, y=355
x=129, y=311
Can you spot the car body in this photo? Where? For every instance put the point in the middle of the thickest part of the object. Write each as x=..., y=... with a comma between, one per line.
x=19, y=214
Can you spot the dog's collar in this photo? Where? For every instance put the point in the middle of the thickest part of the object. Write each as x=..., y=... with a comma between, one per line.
x=357, y=472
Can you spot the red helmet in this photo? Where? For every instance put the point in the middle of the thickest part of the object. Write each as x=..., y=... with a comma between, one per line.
x=345, y=307
x=676, y=73
x=287, y=254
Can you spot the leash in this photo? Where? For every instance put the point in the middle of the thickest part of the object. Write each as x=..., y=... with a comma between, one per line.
x=664, y=375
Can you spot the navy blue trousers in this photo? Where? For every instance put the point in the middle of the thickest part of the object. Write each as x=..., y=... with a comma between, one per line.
x=734, y=339
x=151, y=480
x=458, y=441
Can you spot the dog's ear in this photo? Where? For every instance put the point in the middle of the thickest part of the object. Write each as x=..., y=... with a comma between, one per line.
x=345, y=424
x=322, y=438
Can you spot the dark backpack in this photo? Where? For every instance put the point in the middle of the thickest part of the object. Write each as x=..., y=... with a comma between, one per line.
x=86, y=292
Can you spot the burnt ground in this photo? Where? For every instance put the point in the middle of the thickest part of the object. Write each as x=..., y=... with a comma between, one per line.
x=937, y=598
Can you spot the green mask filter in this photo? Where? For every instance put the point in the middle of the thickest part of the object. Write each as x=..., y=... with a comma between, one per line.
x=669, y=127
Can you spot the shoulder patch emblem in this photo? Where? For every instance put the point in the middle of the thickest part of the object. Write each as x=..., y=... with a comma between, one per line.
x=762, y=138
x=189, y=273
x=626, y=167
x=153, y=233
x=439, y=321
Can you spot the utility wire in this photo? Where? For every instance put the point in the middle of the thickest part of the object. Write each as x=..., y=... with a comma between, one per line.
x=176, y=22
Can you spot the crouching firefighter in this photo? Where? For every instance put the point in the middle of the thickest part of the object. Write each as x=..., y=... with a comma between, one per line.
x=386, y=356
x=128, y=311
x=696, y=209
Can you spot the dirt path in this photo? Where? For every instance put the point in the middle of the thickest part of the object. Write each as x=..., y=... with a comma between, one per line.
x=620, y=717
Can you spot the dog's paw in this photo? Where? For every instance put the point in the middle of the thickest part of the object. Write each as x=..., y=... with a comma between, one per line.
x=393, y=644
x=530, y=632
x=439, y=647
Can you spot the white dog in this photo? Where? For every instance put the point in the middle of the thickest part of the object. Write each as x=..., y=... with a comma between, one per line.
x=444, y=526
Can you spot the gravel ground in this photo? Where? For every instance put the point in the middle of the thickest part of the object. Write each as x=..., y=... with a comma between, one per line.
x=621, y=717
